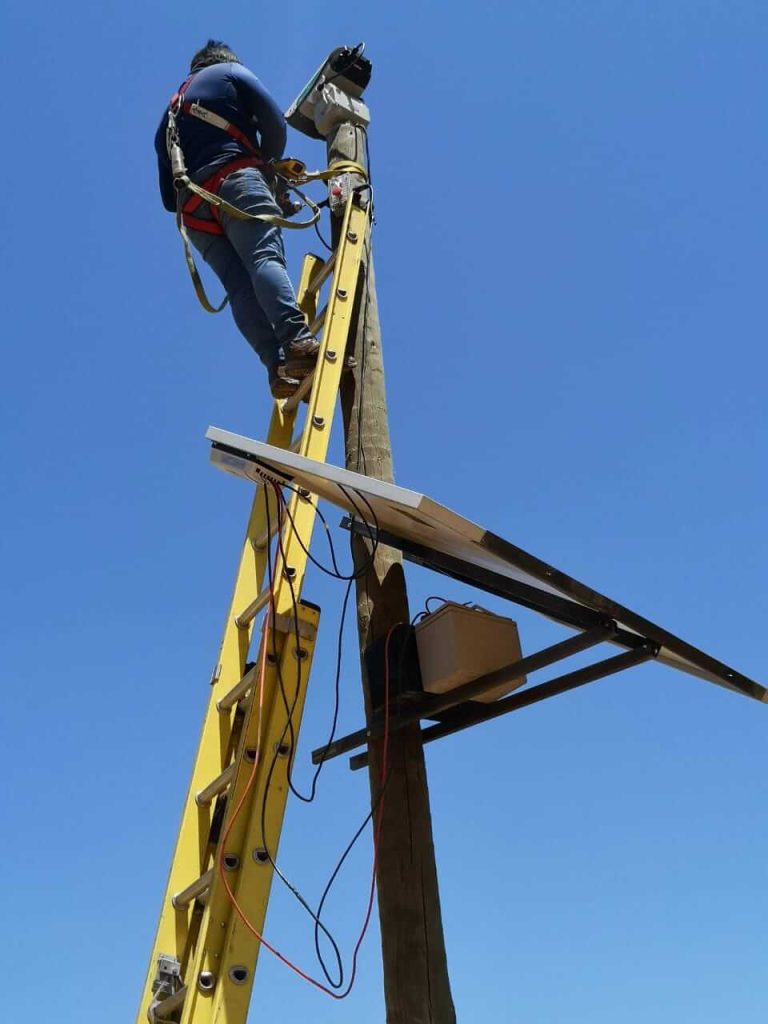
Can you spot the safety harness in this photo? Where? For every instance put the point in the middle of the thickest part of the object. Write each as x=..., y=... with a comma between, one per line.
x=291, y=174
x=210, y=224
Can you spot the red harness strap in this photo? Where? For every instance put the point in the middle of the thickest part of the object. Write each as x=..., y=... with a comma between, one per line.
x=182, y=89
x=213, y=184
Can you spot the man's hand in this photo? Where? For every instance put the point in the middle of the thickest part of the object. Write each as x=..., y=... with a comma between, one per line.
x=288, y=207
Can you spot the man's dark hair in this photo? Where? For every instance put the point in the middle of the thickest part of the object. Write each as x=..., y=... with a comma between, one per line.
x=214, y=52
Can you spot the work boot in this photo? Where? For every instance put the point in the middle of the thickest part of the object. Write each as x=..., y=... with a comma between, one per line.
x=280, y=385
x=300, y=358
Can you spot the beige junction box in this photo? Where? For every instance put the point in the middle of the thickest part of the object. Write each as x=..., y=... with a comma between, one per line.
x=457, y=643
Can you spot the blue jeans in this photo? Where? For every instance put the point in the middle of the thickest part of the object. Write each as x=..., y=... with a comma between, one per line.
x=249, y=260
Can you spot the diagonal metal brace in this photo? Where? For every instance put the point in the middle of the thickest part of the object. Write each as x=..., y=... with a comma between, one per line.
x=471, y=714
x=432, y=705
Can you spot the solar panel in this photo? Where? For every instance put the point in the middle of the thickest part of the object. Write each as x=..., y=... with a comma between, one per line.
x=437, y=537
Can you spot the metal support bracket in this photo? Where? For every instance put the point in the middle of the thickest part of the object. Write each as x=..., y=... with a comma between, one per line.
x=432, y=705
x=166, y=985
x=463, y=716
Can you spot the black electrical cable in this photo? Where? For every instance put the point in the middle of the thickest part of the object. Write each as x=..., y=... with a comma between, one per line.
x=368, y=158
x=284, y=510
x=290, y=709
x=340, y=865
x=351, y=844
x=336, y=687
x=335, y=573
x=303, y=495
x=318, y=511
x=374, y=538
x=370, y=173
x=288, y=729
x=319, y=926
x=319, y=235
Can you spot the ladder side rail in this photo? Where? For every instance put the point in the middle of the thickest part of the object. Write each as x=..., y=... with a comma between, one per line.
x=326, y=377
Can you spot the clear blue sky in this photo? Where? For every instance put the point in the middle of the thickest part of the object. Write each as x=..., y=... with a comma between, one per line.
x=571, y=256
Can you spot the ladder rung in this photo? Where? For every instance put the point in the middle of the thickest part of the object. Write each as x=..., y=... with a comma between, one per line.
x=322, y=275
x=197, y=888
x=259, y=543
x=163, y=1010
x=213, y=789
x=238, y=690
x=318, y=322
x=253, y=609
x=291, y=403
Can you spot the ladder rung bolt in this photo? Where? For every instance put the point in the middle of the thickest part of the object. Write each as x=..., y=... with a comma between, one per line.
x=289, y=572
x=249, y=754
x=282, y=749
x=231, y=862
x=351, y=236
x=304, y=493
x=206, y=981
x=271, y=658
x=238, y=975
x=341, y=292
x=318, y=421
x=260, y=856
x=330, y=355
x=300, y=653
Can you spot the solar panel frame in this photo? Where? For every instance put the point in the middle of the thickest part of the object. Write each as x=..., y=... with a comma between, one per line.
x=435, y=536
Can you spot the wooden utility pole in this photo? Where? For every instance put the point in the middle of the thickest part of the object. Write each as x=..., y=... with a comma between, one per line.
x=416, y=984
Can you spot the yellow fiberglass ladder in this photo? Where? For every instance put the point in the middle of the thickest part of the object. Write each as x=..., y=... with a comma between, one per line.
x=203, y=959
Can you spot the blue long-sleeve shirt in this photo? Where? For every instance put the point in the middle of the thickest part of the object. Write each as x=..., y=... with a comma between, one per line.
x=234, y=93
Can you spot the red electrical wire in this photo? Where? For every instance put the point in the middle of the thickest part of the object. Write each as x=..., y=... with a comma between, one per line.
x=377, y=831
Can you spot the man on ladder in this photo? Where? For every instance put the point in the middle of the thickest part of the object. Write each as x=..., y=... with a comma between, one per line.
x=230, y=130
